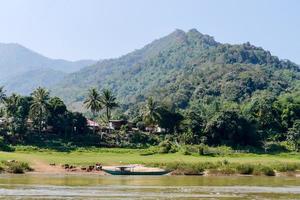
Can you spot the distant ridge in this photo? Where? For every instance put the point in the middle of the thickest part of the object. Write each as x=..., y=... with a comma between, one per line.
x=22, y=70
x=16, y=59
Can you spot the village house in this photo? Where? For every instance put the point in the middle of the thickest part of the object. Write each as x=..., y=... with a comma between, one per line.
x=93, y=125
x=2, y=121
x=117, y=124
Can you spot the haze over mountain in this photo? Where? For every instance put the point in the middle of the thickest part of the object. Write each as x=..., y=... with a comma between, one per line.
x=17, y=61
x=181, y=68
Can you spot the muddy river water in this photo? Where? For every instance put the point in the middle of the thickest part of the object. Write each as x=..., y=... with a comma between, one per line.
x=147, y=187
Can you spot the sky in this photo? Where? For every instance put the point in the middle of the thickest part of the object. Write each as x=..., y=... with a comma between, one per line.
x=98, y=29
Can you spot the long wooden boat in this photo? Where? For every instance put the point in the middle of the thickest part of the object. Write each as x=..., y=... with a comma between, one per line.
x=129, y=170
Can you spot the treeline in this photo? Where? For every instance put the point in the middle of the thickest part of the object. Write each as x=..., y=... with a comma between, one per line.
x=264, y=121
x=23, y=116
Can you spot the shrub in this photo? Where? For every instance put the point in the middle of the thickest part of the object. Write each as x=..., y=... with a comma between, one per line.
x=245, y=168
x=215, y=151
x=186, y=168
x=167, y=147
x=16, y=167
x=268, y=171
x=287, y=167
x=226, y=170
x=265, y=170
x=4, y=146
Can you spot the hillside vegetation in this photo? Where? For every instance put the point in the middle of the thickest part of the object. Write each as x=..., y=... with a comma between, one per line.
x=183, y=68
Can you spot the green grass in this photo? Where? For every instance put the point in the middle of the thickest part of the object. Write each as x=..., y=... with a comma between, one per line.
x=116, y=156
x=111, y=156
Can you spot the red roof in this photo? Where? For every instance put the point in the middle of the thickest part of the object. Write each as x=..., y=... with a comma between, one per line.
x=92, y=123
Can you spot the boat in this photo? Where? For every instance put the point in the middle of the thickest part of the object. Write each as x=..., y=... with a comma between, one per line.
x=130, y=170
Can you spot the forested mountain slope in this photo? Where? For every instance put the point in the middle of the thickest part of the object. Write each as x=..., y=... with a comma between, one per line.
x=182, y=68
x=27, y=82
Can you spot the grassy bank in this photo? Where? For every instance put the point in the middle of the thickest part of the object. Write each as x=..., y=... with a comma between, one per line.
x=237, y=163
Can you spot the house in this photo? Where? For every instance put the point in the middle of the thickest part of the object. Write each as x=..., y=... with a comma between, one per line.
x=117, y=124
x=93, y=125
x=155, y=129
x=2, y=121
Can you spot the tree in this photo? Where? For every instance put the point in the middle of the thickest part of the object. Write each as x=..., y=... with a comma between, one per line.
x=2, y=95
x=230, y=128
x=12, y=104
x=39, y=109
x=108, y=101
x=293, y=134
x=17, y=110
x=262, y=110
x=151, y=114
x=93, y=102
x=57, y=114
x=169, y=119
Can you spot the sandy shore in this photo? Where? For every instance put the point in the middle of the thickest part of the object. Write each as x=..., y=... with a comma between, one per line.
x=45, y=168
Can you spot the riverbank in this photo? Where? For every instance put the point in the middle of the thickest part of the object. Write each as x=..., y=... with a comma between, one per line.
x=51, y=162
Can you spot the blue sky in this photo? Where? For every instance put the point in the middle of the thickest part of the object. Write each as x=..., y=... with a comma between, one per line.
x=97, y=29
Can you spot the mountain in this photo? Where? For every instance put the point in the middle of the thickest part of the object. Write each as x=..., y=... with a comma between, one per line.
x=182, y=68
x=26, y=82
x=16, y=59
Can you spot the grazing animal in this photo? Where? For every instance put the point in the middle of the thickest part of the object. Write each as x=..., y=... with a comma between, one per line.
x=90, y=168
x=66, y=166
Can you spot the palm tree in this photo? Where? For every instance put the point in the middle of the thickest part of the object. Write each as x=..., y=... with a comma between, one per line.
x=39, y=107
x=2, y=95
x=93, y=102
x=2, y=100
x=12, y=103
x=151, y=114
x=108, y=100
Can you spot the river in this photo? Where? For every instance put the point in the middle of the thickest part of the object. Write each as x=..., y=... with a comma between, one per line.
x=147, y=187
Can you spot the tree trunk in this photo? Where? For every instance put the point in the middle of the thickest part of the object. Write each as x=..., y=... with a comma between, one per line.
x=94, y=127
x=40, y=122
x=107, y=115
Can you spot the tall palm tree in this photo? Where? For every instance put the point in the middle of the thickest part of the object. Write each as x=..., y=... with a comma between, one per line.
x=2, y=95
x=93, y=102
x=151, y=113
x=2, y=100
x=39, y=107
x=108, y=100
x=12, y=103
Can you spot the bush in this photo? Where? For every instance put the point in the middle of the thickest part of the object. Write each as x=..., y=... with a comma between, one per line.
x=265, y=170
x=287, y=167
x=186, y=168
x=268, y=171
x=273, y=147
x=16, y=167
x=4, y=146
x=245, y=169
x=214, y=151
x=167, y=147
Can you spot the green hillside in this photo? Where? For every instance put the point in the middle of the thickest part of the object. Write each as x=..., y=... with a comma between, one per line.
x=182, y=68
